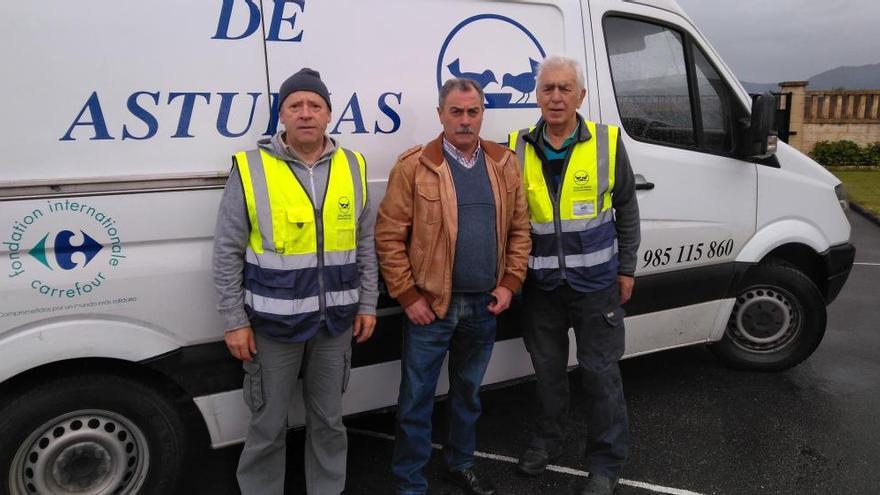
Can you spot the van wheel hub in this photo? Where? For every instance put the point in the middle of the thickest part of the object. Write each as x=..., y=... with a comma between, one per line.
x=82, y=465
x=764, y=319
x=83, y=452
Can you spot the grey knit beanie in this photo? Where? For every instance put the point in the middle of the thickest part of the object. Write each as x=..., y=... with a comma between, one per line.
x=304, y=80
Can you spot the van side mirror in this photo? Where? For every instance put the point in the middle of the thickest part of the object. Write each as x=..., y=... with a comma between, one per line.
x=760, y=137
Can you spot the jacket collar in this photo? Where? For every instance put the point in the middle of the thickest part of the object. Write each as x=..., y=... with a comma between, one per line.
x=432, y=153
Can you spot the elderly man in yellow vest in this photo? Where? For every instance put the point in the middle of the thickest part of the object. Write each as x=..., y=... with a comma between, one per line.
x=295, y=268
x=585, y=234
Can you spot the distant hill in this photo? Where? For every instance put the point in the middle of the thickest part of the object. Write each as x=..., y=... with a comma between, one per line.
x=755, y=88
x=861, y=77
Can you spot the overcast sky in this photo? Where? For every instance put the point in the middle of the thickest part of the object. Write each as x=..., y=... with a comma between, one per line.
x=785, y=40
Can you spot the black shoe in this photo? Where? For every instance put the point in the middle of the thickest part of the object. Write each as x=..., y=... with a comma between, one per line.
x=535, y=460
x=467, y=480
x=597, y=485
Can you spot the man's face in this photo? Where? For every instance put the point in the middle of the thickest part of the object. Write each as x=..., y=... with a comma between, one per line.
x=559, y=95
x=462, y=116
x=305, y=116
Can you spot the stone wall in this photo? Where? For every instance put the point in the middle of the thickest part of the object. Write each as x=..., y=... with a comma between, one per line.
x=832, y=115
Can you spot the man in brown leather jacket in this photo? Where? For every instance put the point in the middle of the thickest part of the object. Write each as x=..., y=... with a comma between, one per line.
x=452, y=238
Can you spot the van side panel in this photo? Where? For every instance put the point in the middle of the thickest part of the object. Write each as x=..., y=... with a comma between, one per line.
x=136, y=266
x=104, y=88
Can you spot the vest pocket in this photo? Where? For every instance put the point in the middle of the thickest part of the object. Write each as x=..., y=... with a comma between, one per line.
x=349, y=276
x=540, y=207
x=597, y=238
x=282, y=281
x=294, y=230
x=345, y=237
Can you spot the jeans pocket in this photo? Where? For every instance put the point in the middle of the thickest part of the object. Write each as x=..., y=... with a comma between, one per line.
x=253, y=385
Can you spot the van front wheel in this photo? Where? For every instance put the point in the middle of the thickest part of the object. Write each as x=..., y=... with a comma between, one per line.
x=90, y=434
x=777, y=321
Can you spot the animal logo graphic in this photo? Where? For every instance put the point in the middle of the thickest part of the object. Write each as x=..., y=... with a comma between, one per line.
x=483, y=79
x=581, y=176
x=489, y=47
x=524, y=83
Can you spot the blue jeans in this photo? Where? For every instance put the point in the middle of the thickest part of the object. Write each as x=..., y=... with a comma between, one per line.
x=468, y=333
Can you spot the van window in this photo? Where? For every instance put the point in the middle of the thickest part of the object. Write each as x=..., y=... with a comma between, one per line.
x=665, y=96
x=715, y=105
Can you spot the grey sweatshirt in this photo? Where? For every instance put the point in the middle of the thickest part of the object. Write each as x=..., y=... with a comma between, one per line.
x=233, y=230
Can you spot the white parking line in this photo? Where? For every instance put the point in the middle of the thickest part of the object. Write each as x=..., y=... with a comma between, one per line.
x=867, y=264
x=558, y=469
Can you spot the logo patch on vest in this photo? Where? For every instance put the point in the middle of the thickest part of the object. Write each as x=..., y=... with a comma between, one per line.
x=581, y=181
x=344, y=210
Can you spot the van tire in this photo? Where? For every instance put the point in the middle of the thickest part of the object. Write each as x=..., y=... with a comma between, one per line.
x=88, y=434
x=777, y=321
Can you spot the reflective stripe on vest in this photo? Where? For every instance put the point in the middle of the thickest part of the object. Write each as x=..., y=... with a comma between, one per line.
x=282, y=291
x=584, y=243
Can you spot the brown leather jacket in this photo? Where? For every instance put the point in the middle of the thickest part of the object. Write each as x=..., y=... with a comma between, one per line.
x=417, y=224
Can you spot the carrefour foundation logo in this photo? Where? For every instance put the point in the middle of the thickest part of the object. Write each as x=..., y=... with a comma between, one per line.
x=65, y=249
x=497, y=52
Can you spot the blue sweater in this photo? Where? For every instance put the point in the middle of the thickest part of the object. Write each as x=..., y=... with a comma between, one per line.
x=476, y=251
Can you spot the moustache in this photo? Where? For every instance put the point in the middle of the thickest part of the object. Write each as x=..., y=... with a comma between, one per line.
x=464, y=130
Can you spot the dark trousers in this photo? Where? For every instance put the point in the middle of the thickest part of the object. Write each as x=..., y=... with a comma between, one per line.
x=597, y=320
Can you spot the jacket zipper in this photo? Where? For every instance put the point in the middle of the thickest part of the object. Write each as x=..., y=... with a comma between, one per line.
x=554, y=201
x=319, y=240
x=557, y=217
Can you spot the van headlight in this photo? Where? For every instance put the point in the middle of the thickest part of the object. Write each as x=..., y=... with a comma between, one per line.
x=840, y=191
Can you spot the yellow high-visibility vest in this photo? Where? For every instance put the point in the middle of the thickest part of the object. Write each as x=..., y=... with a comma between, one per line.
x=574, y=233
x=282, y=290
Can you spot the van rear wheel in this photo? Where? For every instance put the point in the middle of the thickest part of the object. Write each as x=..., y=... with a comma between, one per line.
x=777, y=321
x=90, y=434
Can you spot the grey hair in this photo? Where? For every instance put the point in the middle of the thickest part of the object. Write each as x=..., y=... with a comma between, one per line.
x=562, y=62
x=461, y=84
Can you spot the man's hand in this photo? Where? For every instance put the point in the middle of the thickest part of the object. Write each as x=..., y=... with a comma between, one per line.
x=503, y=295
x=419, y=312
x=241, y=343
x=625, y=283
x=363, y=327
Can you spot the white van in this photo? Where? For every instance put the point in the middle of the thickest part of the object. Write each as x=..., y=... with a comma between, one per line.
x=119, y=122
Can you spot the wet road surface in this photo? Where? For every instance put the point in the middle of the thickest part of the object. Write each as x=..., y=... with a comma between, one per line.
x=696, y=426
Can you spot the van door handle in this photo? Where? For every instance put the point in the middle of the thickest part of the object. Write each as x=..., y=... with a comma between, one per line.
x=642, y=184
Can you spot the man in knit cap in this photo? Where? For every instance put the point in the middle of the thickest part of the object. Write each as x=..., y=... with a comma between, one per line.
x=295, y=270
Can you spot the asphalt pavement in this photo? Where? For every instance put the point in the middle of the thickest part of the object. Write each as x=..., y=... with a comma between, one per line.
x=697, y=427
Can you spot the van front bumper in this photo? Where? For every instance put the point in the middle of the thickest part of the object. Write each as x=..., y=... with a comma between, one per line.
x=838, y=262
